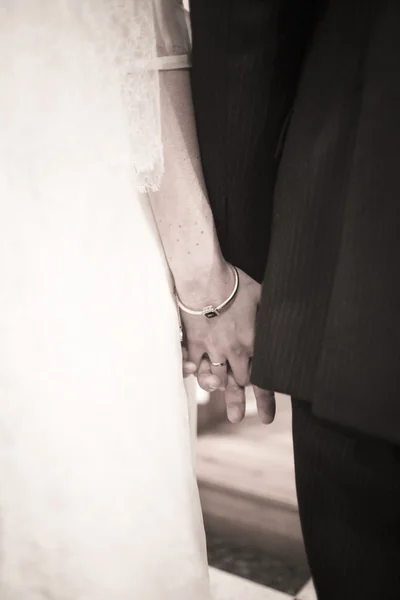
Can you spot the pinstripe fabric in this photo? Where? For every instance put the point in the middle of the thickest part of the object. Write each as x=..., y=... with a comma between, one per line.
x=349, y=497
x=310, y=204
x=244, y=80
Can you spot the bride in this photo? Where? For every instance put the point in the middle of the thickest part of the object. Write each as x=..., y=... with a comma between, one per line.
x=98, y=496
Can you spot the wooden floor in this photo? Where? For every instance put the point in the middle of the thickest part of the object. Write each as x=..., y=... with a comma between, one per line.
x=229, y=587
x=246, y=480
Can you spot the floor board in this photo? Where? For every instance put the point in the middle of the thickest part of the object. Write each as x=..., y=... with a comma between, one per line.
x=246, y=481
x=229, y=587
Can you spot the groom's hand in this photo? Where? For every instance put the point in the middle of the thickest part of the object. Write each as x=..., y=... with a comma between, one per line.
x=235, y=396
x=266, y=406
x=188, y=368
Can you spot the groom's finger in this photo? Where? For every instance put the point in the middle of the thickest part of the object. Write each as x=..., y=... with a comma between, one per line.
x=188, y=368
x=266, y=406
x=240, y=367
x=235, y=399
x=207, y=381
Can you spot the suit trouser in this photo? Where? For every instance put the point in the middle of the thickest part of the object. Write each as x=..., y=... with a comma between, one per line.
x=348, y=489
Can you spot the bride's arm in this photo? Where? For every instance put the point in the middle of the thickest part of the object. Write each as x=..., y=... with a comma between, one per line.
x=185, y=222
x=181, y=207
x=202, y=276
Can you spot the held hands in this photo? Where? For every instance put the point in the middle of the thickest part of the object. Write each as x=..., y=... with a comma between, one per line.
x=219, y=350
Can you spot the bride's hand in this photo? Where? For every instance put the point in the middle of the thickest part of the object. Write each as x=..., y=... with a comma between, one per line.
x=226, y=339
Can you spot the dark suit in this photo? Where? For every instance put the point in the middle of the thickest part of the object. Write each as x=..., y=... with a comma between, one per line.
x=298, y=113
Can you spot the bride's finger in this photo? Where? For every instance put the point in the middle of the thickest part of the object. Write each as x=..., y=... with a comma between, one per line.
x=219, y=368
x=207, y=381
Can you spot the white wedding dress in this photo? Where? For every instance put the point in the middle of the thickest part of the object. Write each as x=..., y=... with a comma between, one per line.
x=98, y=495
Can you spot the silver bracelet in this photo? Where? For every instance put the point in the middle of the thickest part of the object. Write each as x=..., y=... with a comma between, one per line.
x=210, y=312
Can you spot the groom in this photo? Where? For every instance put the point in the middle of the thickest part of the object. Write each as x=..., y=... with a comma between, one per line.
x=298, y=113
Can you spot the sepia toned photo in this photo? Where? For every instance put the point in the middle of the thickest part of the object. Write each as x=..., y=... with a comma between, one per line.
x=199, y=299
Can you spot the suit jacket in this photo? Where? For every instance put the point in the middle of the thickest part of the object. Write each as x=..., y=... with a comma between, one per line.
x=298, y=115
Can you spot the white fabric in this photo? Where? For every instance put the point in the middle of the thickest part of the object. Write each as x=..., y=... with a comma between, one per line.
x=99, y=53
x=98, y=496
x=171, y=63
x=172, y=28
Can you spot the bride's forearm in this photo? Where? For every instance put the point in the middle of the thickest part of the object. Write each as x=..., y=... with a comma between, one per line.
x=181, y=209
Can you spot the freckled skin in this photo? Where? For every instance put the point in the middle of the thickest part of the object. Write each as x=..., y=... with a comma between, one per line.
x=181, y=206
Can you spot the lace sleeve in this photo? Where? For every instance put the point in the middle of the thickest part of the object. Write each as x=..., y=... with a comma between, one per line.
x=173, y=34
x=64, y=64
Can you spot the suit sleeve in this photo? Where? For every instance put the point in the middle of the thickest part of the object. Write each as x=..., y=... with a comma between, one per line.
x=246, y=61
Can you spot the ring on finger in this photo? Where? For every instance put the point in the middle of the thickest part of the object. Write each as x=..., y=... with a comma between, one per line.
x=218, y=364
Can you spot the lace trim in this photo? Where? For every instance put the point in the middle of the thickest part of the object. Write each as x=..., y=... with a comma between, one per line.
x=127, y=36
x=170, y=63
x=102, y=52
